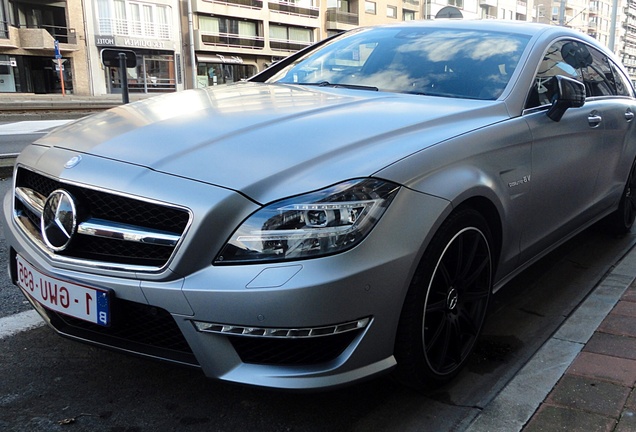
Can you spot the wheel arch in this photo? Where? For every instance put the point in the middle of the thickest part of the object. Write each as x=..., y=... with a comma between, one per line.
x=492, y=216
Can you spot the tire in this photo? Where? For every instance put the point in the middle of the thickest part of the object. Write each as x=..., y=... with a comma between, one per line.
x=621, y=221
x=447, y=302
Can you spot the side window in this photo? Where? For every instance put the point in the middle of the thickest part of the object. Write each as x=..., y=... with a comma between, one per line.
x=552, y=65
x=623, y=85
x=597, y=76
x=575, y=60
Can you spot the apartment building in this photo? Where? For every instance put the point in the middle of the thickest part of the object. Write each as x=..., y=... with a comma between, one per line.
x=628, y=46
x=147, y=32
x=233, y=39
x=42, y=47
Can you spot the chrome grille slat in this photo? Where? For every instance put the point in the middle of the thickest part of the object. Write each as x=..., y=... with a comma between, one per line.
x=106, y=229
x=32, y=199
x=99, y=227
x=116, y=232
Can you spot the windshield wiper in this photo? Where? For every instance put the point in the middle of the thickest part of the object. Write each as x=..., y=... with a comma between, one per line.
x=349, y=86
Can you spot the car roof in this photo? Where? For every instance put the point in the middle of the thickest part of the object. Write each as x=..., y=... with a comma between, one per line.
x=519, y=27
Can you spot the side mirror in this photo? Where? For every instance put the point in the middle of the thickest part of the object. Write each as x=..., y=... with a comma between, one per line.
x=570, y=93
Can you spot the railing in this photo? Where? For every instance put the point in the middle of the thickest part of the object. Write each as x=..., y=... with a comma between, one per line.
x=287, y=45
x=4, y=29
x=336, y=15
x=233, y=40
x=61, y=34
x=293, y=9
x=252, y=4
x=151, y=85
x=123, y=27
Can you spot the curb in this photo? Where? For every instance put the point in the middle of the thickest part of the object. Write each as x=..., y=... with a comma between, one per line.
x=515, y=405
x=7, y=162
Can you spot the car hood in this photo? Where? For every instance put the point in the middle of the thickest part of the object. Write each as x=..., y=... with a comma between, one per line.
x=269, y=140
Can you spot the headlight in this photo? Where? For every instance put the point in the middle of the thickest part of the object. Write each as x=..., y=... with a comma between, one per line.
x=319, y=223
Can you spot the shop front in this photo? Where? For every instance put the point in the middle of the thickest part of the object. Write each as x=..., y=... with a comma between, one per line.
x=216, y=69
x=157, y=69
x=33, y=74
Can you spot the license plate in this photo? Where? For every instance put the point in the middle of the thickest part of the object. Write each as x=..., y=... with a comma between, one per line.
x=79, y=301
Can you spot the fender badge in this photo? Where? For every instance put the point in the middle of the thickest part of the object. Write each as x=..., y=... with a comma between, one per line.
x=72, y=162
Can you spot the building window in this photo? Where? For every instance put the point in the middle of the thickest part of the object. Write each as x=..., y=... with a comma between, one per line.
x=4, y=23
x=230, y=32
x=391, y=11
x=289, y=38
x=369, y=7
x=457, y=3
x=220, y=25
x=119, y=17
x=408, y=15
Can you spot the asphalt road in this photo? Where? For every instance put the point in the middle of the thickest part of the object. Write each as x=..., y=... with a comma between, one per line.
x=52, y=384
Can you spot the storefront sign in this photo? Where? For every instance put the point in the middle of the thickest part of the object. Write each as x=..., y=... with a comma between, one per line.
x=232, y=59
x=105, y=40
x=145, y=43
x=131, y=42
x=219, y=58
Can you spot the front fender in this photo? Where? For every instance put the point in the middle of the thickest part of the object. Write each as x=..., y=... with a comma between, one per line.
x=492, y=164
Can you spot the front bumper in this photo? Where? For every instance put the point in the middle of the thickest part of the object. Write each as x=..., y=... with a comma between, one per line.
x=316, y=323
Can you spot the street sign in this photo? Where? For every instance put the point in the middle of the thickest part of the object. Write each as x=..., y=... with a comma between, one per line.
x=110, y=57
x=56, y=47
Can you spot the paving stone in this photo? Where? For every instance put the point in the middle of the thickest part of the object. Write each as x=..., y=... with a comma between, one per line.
x=552, y=419
x=627, y=422
x=631, y=401
x=619, y=325
x=606, y=368
x=589, y=395
x=630, y=295
x=627, y=308
x=614, y=345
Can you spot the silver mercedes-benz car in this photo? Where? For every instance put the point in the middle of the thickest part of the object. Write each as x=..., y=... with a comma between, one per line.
x=349, y=211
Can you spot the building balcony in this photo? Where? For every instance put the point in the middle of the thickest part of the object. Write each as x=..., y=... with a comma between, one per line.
x=339, y=20
x=415, y=3
x=4, y=30
x=488, y=3
x=293, y=9
x=222, y=8
x=204, y=40
x=10, y=38
x=251, y=4
x=123, y=27
x=287, y=45
x=522, y=7
x=44, y=37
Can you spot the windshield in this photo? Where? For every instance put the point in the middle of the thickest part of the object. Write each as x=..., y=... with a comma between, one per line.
x=438, y=62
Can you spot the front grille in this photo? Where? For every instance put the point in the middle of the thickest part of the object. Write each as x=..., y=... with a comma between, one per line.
x=112, y=208
x=135, y=327
x=291, y=352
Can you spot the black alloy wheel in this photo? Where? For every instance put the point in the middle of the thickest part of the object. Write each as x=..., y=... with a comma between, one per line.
x=622, y=220
x=447, y=302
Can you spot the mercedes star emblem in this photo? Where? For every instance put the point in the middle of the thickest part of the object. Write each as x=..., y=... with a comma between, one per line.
x=59, y=220
x=73, y=162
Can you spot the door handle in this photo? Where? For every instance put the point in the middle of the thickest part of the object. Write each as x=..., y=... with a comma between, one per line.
x=594, y=119
x=629, y=115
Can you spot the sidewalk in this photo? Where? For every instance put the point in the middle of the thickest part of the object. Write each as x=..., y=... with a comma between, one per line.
x=582, y=379
x=29, y=106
